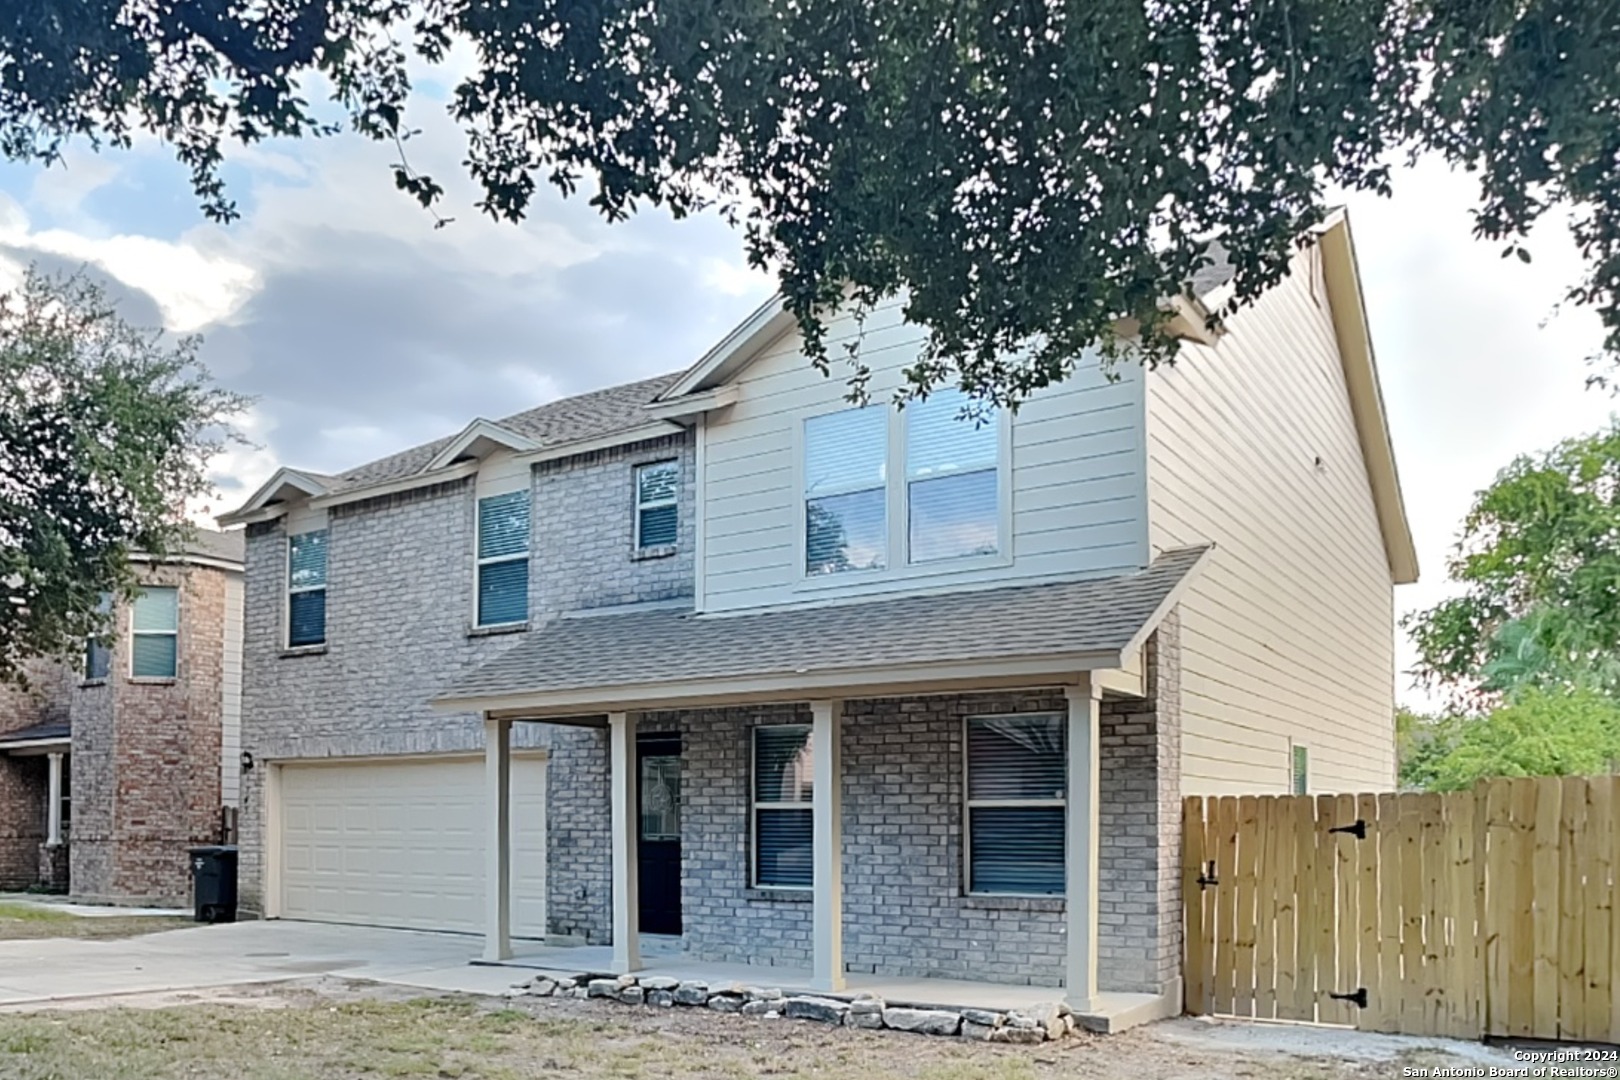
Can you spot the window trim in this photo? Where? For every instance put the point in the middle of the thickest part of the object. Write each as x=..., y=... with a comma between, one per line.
x=897, y=506
x=103, y=641
x=479, y=562
x=135, y=633
x=657, y=504
x=969, y=804
x=292, y=590
x=755, y=805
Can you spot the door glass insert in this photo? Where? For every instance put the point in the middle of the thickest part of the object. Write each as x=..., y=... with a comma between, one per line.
x=660, y=798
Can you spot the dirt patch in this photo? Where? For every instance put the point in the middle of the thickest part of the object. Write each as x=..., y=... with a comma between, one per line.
x=330, y=1028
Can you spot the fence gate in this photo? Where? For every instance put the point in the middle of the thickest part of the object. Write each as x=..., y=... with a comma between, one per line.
x=1489, y=912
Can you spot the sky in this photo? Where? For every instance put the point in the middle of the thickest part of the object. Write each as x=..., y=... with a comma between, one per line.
x=360, y=329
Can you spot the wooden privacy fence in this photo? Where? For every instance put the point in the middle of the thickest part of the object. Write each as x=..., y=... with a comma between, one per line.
x=1488, y=912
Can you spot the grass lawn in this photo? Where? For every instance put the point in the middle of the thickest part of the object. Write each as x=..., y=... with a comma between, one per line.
x=19, y=921
x=289, y=1034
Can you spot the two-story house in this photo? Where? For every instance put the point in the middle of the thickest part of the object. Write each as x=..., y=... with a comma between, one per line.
x=852, y=692
x=112, y=768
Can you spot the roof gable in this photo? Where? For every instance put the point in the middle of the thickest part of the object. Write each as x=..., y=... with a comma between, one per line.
x=478, y=440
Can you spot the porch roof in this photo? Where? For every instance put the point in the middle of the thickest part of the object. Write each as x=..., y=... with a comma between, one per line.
x=670, y=658
x=36, y=735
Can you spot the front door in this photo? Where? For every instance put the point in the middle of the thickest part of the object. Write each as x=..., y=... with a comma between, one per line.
x=658, y=798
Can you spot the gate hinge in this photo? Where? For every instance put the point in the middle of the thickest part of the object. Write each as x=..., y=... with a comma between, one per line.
x=1208, y=878
x=1358, y=998
x=1358, y=830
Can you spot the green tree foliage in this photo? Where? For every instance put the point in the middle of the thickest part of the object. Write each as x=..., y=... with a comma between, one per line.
x=105, y=431
x=1026, y=173
x=1539, y=566
x=1422, y=742
x=1538, y=733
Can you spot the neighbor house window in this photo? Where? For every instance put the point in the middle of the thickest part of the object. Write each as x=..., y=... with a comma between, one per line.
x=97, y=650
x=155, y=634
x=657, y=515
x=783, y=818
x=1016, y=779
x=846, y=470
x=306, y=589
x=503, y=559
x=1300, y=767
x=952, y=464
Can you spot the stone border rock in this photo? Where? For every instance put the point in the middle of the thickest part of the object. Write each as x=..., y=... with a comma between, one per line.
x=1052, y=1021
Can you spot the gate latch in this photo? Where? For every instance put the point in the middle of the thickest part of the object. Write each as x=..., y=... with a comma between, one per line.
x=1358, y=830
x=1358, y=998
x=1208, y=878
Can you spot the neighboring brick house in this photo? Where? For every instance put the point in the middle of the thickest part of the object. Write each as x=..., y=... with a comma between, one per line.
x=842, y=691
x=110, y=771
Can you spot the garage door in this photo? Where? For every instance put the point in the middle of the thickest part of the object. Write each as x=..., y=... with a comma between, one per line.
x=401, y=844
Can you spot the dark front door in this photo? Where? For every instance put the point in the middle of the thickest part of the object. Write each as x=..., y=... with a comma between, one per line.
x=658, y=799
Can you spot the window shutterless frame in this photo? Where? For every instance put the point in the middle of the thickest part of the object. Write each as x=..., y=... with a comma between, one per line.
x=970, y=804
x=484, y=563
x=656, y=501
x=756, y=804
x=169, y=630
x=295, y=589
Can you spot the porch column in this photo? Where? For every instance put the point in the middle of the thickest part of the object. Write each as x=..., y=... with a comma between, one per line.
x=1083, y=845
x=626, y=887
x=498, y=840
x=827, y=813
x=53, y=805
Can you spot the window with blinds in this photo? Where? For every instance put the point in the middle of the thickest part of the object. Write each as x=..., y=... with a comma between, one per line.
x=155, y=634
x=1301, y=769
x=503, y=559
x=783, y=819
x=952, y=478
x=97, y=650
x=846, y=470
x=1016, y=784
x=306, y=589
x=657, y=509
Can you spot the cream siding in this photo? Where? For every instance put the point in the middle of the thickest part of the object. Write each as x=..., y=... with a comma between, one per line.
x=1077, y=501
x=1288, y=632
x=230, y=743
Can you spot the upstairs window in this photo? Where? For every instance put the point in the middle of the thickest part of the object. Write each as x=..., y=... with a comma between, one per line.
x=155, y=634
x=306, y=589
x=657, y=511
x=783, y=818
x=846, y=516
x=503, y=559
x=97, y=650
x=952, y=479
x=1017, y=778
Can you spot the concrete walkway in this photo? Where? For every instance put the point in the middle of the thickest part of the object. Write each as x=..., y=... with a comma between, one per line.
x=51, y=969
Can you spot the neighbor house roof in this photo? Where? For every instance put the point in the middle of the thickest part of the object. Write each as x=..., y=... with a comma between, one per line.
x=668, y=657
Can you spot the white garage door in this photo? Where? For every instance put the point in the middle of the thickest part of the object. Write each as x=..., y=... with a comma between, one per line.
x=401, y=844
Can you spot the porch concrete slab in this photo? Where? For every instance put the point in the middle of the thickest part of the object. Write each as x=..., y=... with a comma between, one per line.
x=1113, y=1012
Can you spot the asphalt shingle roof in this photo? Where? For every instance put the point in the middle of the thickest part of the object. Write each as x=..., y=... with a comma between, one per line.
x=35, y=733
x=585, y=416
x=601, y=651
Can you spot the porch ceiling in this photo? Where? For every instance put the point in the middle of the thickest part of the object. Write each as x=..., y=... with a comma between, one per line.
x=1018, y=635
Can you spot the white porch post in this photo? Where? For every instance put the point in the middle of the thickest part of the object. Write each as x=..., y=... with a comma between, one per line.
x=53, y=806
x=498, y=840
x=1084, y=836
x=625, y=827
x=827, y=812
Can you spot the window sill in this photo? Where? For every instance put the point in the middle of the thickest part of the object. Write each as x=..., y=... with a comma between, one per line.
x=499, y=628
x=990, y=902
x=154, y=680
x=304, y=650
x=662, y=551
x=783, y=895
x=924, y=571
x=91, y=684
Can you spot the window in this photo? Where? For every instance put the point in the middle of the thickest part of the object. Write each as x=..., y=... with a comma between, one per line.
x=1016, y=780
x=1300, y=781
x=306, y=589
x=783, y=817
x=503, y=559
x=657, y=516
x=97, y=651
x=846, y=519
x=154, y=640
x=952, y=462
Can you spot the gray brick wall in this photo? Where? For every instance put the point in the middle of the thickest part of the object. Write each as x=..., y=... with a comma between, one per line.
x=399, y=612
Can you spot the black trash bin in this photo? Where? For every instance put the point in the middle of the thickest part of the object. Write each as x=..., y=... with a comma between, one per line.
x=213, y=881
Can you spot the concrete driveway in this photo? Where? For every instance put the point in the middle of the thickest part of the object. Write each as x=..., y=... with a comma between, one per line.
x=54, y=969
